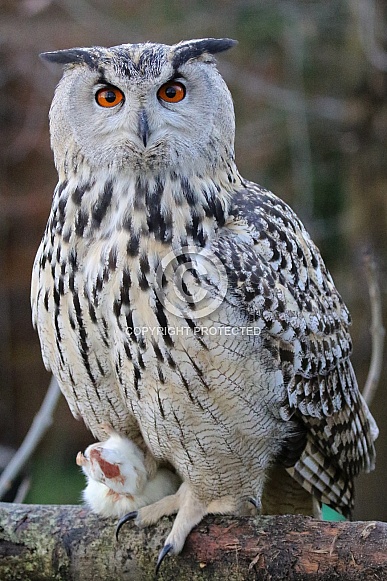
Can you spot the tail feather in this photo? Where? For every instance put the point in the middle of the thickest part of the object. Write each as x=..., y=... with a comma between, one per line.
x=323, y=480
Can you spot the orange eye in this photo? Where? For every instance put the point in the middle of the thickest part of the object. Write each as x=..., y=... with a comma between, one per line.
x=172, y=92
x=109, y=97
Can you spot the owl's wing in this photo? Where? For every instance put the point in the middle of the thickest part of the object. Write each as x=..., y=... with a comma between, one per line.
x=280, y=280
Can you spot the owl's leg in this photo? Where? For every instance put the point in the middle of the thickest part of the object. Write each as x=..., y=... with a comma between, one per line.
x=190, y=511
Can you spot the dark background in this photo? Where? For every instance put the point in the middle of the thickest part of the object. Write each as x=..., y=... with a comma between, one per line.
x=309, y=84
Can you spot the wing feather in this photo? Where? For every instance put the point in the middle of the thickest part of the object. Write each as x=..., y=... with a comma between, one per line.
x=281, y=282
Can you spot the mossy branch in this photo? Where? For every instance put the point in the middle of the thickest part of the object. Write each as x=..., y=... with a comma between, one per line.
x=68, y=543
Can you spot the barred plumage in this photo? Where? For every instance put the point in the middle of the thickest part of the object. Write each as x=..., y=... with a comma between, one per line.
x=183, y=305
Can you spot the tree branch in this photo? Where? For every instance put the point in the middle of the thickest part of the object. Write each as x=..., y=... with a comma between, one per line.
x=70, y=543
x=377, y=329
x=39, y=426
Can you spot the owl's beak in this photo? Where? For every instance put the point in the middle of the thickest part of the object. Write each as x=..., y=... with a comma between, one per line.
x=143, y=127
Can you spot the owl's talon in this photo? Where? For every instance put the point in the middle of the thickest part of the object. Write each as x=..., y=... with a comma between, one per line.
x=256, y=503
x=164, y=551
x=130, y=516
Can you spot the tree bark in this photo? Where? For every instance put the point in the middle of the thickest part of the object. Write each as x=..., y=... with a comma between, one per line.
x=39, y=543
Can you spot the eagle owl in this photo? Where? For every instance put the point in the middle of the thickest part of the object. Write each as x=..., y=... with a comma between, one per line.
x=182, y=305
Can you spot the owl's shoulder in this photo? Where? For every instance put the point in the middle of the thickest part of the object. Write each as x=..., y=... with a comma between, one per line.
x=280, y=279
x=264, y=227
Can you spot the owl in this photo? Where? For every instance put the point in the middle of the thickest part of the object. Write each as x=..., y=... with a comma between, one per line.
x=183, y=305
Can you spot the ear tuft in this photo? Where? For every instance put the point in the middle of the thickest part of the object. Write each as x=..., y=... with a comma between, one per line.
x=72, y=56
x=186, y=50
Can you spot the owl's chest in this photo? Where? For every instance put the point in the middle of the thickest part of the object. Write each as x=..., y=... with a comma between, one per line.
x=131, y=342
x=209, y=408
x=199, y=391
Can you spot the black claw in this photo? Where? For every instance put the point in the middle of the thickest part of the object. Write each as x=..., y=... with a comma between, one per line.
x=164, y=551
x=124, y=519
x=255, y=503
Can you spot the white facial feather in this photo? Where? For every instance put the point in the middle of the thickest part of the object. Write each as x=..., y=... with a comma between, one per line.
x=187, y=134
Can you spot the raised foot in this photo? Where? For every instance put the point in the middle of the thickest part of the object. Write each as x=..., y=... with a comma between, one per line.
x=117, y=477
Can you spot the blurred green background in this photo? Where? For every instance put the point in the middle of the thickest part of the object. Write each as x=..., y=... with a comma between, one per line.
x=309, y=85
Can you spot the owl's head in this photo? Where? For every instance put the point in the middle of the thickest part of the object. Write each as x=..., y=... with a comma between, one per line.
x=142, y=108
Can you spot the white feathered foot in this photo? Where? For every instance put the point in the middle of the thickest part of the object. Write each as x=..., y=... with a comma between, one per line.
x=190, y=512
x=117, y=479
